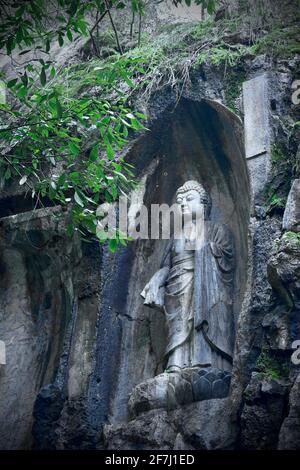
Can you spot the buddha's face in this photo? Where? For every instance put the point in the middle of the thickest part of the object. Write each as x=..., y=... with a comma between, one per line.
x=190, y=204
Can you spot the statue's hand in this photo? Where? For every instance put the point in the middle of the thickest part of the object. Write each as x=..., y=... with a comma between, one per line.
x=150, y=294
x=153, y=292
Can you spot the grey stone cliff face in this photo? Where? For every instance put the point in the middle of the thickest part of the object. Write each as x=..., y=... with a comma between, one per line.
x=291, y=216
x=78, y=339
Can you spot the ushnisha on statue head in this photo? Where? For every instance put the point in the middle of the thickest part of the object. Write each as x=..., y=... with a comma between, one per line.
x=194, y=200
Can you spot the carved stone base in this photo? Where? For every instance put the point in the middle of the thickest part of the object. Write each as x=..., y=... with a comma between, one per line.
x=170, y=390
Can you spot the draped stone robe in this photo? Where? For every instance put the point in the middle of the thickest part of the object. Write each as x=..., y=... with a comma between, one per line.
x=198, y=302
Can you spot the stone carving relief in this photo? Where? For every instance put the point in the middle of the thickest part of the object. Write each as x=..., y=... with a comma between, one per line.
x=194, y=288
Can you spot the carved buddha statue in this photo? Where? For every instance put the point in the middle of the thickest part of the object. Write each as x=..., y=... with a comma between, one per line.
x=194, y=286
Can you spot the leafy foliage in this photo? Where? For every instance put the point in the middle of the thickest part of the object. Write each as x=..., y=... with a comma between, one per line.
x=224, y=54
x=64, y=146
x=35, y=25
x=62, y=132
x=61, y=142
x=233, y=86
x=62, y=136
x=292, y=236
x=270, y=366
x=170, y=58
x=284, y=169
x=279, y=42
x=209, y=5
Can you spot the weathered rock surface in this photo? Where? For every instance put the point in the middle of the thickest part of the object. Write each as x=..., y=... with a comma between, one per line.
x=284, y=270
x=77, y=339
x=204, y=425
x=291, y=216
x=263, y=412
x=289, y=437
x=2, y=354
x=43, y=308
x=37, y=264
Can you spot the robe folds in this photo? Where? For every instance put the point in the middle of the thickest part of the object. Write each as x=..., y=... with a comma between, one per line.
x=198, y=301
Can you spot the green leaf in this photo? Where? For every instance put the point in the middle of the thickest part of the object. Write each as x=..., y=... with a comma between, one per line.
x=19, y=12
x=101, y=235
x=19, y=35
x=74, y=148
x=114, y=192
x=109, y=152
x=140, y=115
x=94, y=153
x=7, y=173
x=210, y=7
x=70, y=230
x=24, y=79
x=43, y=78
x=78, y=199
x=52, y=72
x=47, y=45
x=12, y=83
x=69, y=35
x=125, y=132
x=60, y=40
x=73, y=7
x=82, y=25
x=10, y=45
x=105, y=120
x=22, y=92
x=126, y=78
x=112, y=245
x=136, y=125
x=62, y=19
x=123, y=241
x=59, y=110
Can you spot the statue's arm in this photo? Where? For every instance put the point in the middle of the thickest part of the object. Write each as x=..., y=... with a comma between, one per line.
x=153, y=292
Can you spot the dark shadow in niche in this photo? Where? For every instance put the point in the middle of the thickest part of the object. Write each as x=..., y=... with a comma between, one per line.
x=18, y=204
x=196, y=140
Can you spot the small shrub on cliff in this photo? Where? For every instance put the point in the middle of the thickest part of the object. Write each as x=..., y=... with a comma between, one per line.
x=270, y=365
x=292, y=236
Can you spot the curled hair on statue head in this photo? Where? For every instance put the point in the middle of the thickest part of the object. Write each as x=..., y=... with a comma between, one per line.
x=204, y=195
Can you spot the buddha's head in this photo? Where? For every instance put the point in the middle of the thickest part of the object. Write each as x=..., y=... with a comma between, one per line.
x=193, y=200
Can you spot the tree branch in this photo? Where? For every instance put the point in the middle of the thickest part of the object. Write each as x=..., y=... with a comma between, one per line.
x=131, y=24
x=114, y=28
x=140, y=29
x=98, y=21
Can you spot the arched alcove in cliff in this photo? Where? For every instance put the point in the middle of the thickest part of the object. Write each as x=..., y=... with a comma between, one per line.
x=199, y=140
